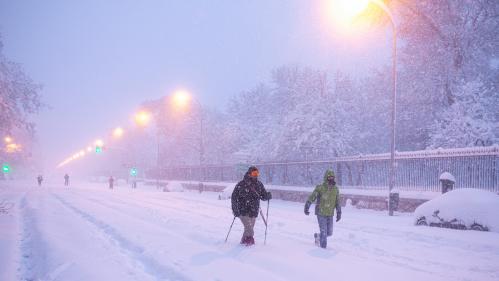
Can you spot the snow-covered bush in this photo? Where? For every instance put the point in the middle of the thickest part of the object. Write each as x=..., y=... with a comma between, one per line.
x=461, y=209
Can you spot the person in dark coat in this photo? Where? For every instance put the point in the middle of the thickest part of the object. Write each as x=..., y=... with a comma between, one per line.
x=246, y=202
x=66, y=180
x=39, y=179
x=111, y=182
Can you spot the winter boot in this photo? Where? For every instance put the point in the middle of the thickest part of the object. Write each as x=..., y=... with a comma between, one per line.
x=244, y=240
x=317, y=239
x=250, y=241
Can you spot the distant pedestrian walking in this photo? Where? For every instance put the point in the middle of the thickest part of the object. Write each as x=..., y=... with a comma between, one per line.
x=246, y=202
x=39, y=179
x=66, y=180
x=111, y=182
x=328, y=199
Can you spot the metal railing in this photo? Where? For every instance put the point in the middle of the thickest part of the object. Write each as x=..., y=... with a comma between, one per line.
x=475, y=167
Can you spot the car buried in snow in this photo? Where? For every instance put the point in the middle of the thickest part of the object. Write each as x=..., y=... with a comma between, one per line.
x=466, y=209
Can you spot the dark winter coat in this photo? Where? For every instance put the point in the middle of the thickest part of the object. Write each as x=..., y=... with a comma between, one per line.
x=246, y=197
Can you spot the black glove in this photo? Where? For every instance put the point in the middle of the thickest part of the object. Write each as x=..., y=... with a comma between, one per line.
x=269, y=195
x=338, y=216
x=307, y=206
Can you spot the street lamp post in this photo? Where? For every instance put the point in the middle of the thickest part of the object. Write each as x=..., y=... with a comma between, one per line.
x=182, y=98
x=142, y=119
x=391, y=182
x=157, y=157
x=353, y=8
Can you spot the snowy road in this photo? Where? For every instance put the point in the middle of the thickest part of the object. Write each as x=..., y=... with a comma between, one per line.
x=91, y=233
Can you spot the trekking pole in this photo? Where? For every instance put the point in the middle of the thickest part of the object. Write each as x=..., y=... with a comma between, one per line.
x=230, y=229
x=263, y=217
x=266, y=222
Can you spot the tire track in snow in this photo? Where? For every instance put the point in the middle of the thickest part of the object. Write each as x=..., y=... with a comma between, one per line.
x=155, y=217
x=32, y=251
x=236, y=254
x=132, y=250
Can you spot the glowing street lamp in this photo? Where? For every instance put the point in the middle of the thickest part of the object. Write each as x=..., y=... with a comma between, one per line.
x=344, y=11
x=351, y=9
x=181, y=98
x=12, y=147
x=142, y=118
x=118, y=132
x=7, y=139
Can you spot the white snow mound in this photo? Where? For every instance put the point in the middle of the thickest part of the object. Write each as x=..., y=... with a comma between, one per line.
x=467, y=205
x=174, y=186
x=227, y=192
x=447, y=176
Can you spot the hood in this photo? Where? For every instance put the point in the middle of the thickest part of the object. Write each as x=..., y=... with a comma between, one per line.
x=328, y=173
x=247, y=175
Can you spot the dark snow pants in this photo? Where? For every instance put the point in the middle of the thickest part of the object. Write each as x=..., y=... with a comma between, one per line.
x=326, y=228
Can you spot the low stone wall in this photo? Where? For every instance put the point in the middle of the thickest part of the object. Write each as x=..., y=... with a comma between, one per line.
x=378, y=203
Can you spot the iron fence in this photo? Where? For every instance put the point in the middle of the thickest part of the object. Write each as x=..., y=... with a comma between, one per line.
x=475, y=167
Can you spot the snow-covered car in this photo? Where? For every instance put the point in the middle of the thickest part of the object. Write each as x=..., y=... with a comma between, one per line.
x=461, y=209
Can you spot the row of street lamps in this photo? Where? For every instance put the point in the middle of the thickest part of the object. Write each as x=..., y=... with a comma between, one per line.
x=143, y=118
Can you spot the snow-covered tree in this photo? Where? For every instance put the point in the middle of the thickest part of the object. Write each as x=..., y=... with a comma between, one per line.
x=19, y=101
x=471, y=120
x=19, y=97
x=447, y=47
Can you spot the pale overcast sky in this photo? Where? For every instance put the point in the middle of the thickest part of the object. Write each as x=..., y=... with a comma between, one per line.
x=98, y=60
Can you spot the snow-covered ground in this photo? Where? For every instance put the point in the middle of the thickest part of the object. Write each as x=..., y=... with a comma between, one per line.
x=88, y=232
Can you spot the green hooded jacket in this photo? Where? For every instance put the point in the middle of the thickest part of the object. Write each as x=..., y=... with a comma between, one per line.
x=328, y=197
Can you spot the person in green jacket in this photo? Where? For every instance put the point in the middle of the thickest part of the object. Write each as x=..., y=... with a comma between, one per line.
x=328, y=199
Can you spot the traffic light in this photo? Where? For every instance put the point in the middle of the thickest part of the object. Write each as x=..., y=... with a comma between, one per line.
x=98, y=149
x=6, y=168
x=133, y=172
